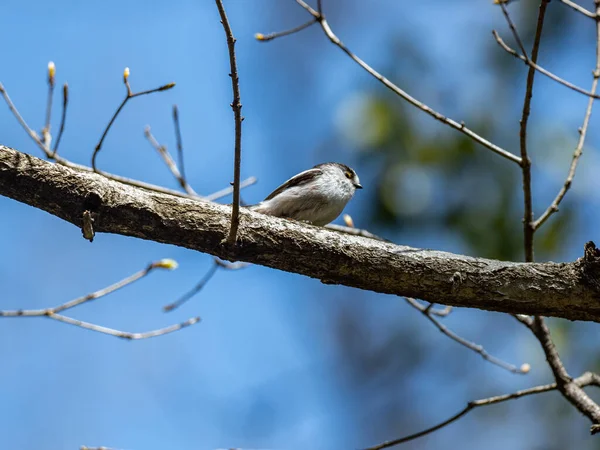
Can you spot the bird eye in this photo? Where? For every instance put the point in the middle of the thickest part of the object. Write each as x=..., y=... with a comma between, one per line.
x=349, y=175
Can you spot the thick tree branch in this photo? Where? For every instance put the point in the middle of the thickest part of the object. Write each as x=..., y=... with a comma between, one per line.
x=566, y=385
x=569, y=290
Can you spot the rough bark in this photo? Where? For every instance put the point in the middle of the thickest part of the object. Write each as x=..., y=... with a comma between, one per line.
x=568, y=290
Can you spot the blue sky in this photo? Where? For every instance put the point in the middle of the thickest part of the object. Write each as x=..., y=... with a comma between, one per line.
x=260, y=370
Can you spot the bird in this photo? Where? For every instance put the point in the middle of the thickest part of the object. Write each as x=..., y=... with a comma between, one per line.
x=316, y=196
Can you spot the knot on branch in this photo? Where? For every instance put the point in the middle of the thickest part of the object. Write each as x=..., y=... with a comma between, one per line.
x=456, y=280
x=589, y=266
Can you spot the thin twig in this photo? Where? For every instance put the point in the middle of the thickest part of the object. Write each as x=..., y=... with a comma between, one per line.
x=524, y=319
x=163, y=264
x=587, y=379
x=217, y=264
x=580, y=9
x=413, y=101
x=63, y=119
x=269, y=37
x=85, y=447
x=46, y=130
x=131, y=182
x=237, y=114
x=21, y=121
x=188, y=295
x=151, y=187
x=433, y=311
x=53, y=313
x=128, y=96
x=168, y=159
x=578, y=149
x=513, y=29
x=355, y=232
x=179, y=141
x=528, y=228
x=229, y=189
x=126, y=334
x=541, y=70
x=425, y=310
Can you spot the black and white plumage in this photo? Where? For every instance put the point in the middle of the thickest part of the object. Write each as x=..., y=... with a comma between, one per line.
x=317, y=195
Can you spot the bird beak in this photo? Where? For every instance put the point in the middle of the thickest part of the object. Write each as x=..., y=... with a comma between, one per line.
x=358, y=186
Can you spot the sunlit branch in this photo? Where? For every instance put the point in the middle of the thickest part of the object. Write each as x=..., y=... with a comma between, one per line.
x=128, y=96
x=131, y=182
x=51, y=79
x=178, y=140
x=22, y=122
x=269, y=37
x=580, y=9
x=53, y=313
x=168, y=160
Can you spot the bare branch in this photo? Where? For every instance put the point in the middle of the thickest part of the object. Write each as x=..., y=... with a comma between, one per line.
x=237, y=114
x=513, y=29
x=565, y=384
x=51, y=78
x=178, y=140
x=568, y=388
x=426, y=311
x=188, y=295
x=587, y=379
x=580, y=9
x=524, y=319
x=140, y=184
x=217, y=264
x=354, y=231
x=63, y=119
x=53, y=313
x=228, y=190
x=22, y=122
x=579, y=148
x=528, y=227
x=413, y=101
x=125, y=334
x=128, y=96
x=332, y=257
x=168, y=159
x=541, y=70
x=85, y=447
x=269, y=37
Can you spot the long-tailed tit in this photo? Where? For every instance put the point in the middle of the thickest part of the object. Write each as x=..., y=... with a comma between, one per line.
x=317, y=195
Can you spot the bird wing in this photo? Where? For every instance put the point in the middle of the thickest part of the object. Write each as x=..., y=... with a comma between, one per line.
x=298, y=180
